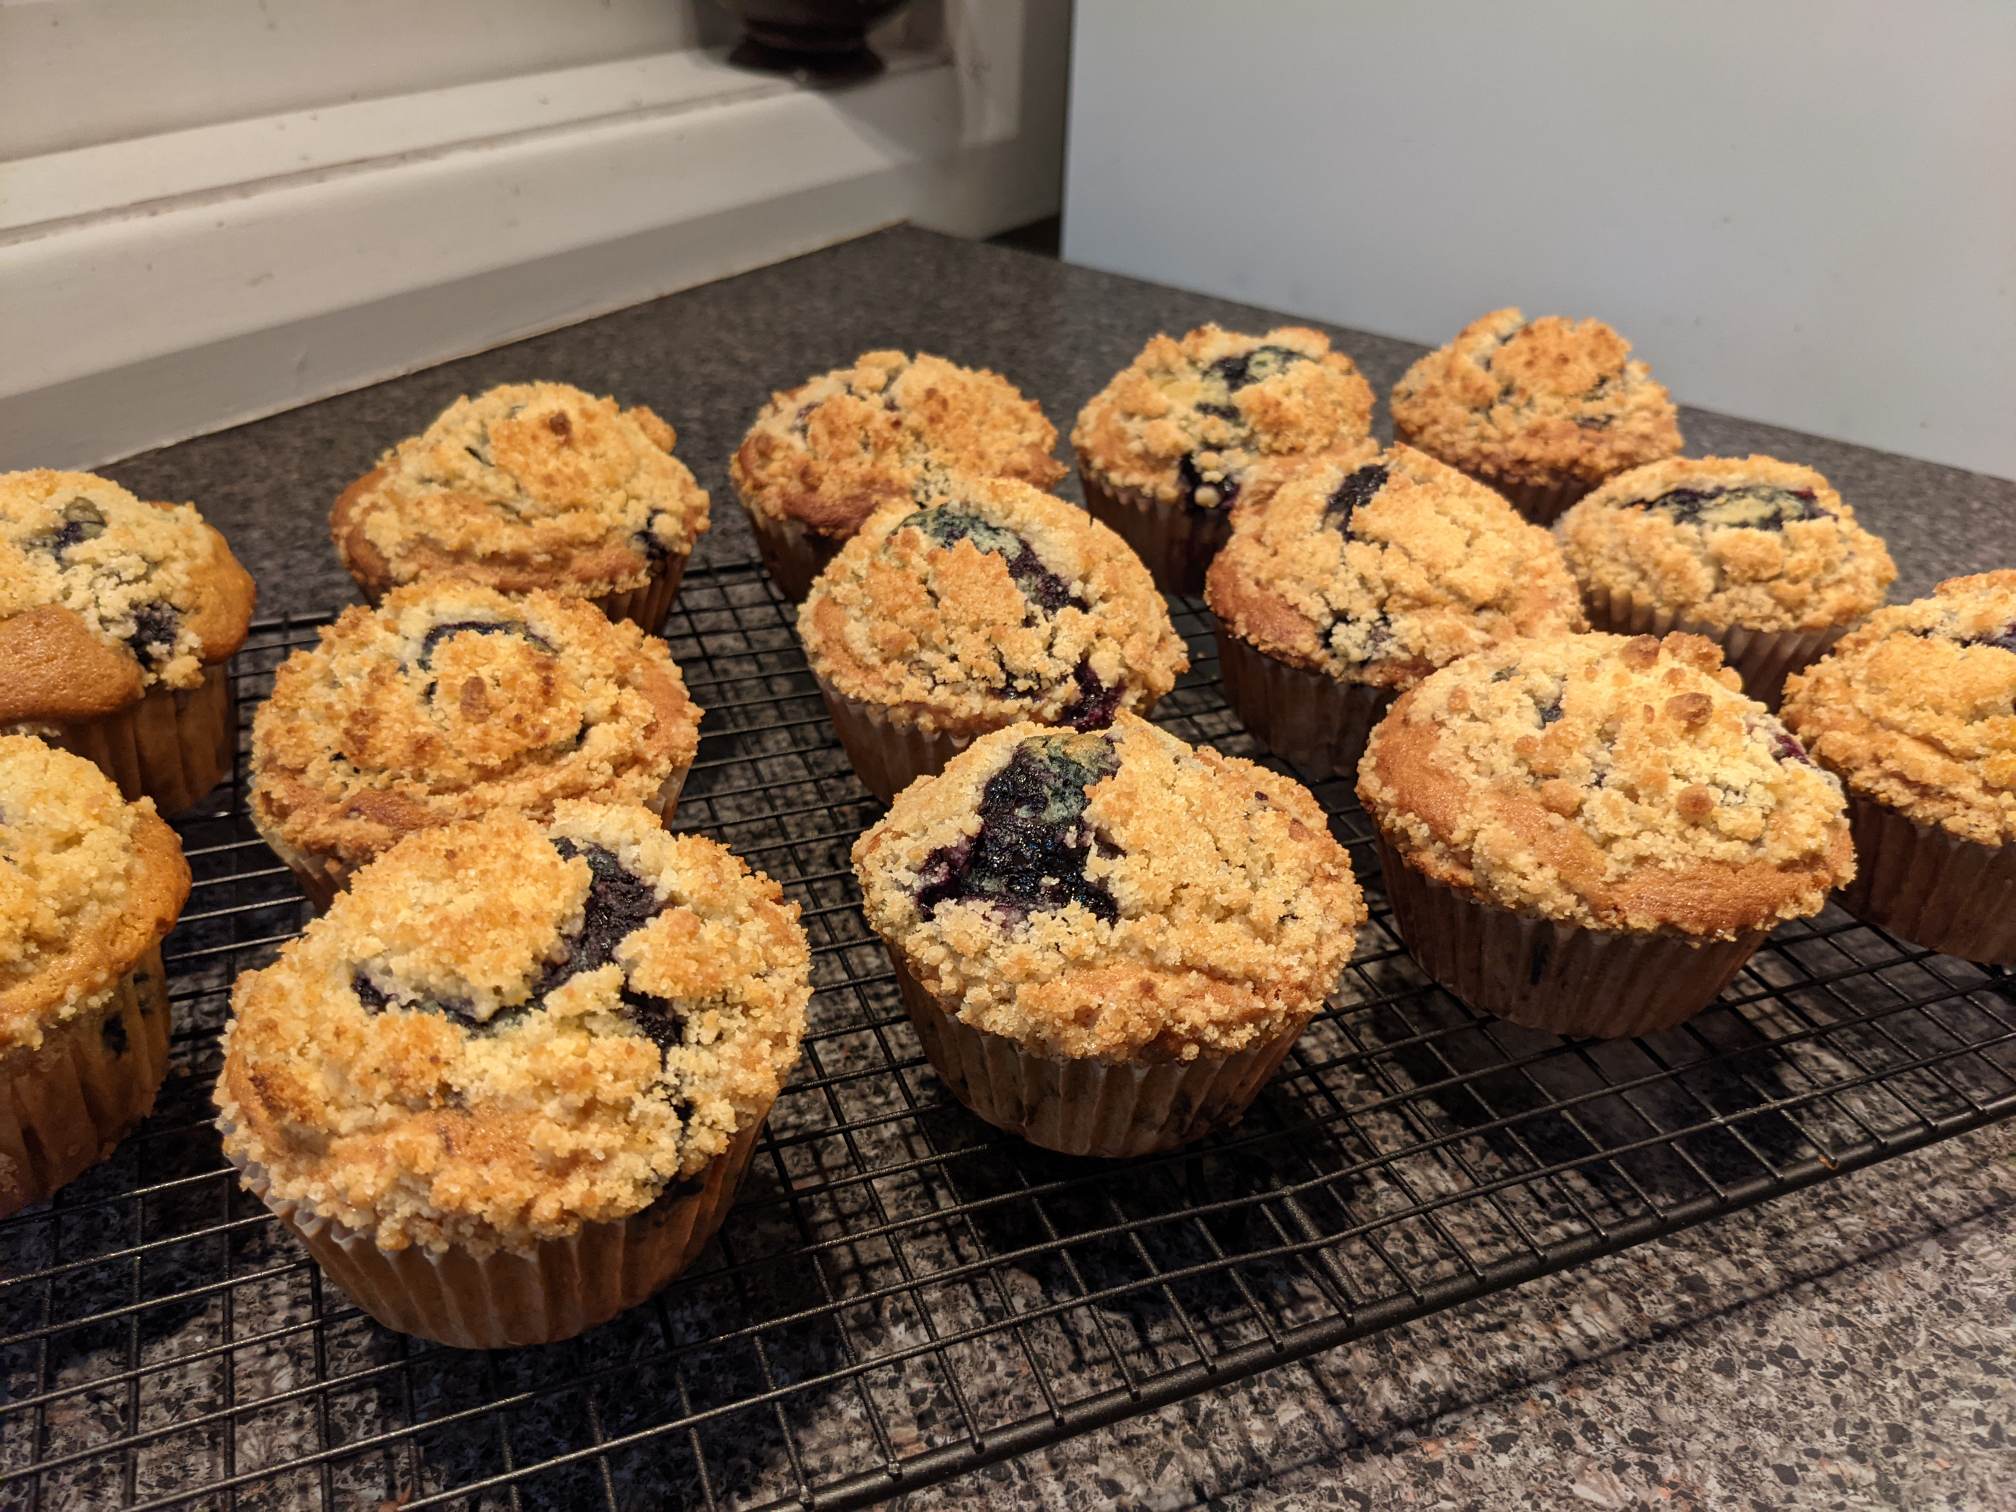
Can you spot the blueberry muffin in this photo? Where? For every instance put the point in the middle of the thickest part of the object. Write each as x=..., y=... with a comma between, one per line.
x=506, y=1087
x=825, y=455
x=1192, y=426
x=985, y=604
x=530, y=485
x=1916, y=712
x=452, y=700
x=1363, y=574
x=1591, y=834
x=117, y=620
x=1108, y=940
x=1542, y=410
x=89, y=885
x=1760, y=556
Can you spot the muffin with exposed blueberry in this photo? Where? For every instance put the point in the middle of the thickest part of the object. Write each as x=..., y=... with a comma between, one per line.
x=1194, y=425
x=530, y=485
x=452, y=700
x=1541, y=410
x=89, y=885
x=1361, y=576
x=506, y=1087
x=1916, y=713
x=117, y=621
x=1591, y=834
x=1108, y=940
x=1759, y=555
x=824, y=456
x=986, y=603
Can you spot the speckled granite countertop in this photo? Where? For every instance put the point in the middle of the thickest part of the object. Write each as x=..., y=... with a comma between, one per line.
x=1852, y=1345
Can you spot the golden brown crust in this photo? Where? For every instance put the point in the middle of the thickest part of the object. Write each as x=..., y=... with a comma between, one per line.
x=1612, y=783
x=1536, y=402
x=396, y=720
x=1235, y=407
x=1378, y=568
x=1916, y=709
x=836, y=448
x=88, y=885
x=465, y=1051
x=529, y=485
x=1738, y=541
x=1232, y=907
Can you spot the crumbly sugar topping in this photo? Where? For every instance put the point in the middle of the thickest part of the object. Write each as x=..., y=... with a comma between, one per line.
x=833, y=450
x=1615, y=783
x=1378, y=567
x=1728, y=541
x=991, y=602
x=532, y=482
x=1201, y=419
x=1917, y=708
x=1117, y=894
x=1536, y=401
x=506, y=1030
x=453, y=699
x=87, y=882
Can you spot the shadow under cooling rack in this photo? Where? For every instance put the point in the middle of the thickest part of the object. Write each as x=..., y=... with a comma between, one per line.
x=901, y=1292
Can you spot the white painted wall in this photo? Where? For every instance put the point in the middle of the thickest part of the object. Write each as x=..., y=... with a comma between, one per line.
x=1799, y=212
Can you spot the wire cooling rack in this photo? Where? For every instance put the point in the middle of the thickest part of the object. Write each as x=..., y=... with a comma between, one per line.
x=903, y=1293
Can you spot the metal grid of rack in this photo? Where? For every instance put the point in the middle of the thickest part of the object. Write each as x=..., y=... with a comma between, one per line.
x=903, y=1293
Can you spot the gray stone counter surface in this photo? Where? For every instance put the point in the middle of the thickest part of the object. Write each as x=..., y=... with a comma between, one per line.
x=1851, y=1345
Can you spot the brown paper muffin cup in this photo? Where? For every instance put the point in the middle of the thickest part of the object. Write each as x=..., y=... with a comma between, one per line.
x=173, y=746
x=1175, y=541
x=70, y=1100
x=1542, y=503
x=1548, y=975
x=1925, y=884
x=793, y=555
x=1088, y=1107
x=507, y=1299
x=1762, y=658
x=645, y=607
x=1309, y=719
x=889, y=752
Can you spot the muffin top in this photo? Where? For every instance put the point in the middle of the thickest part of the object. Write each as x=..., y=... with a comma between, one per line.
x=451, y=700
x=833, y=450
x=1614, y=783
x=103, y=597
x=1201, y=419
x=1725, y=541
x=88, y=884
x=1536, y=401
x=1378, y=567
x=508, y=1029
x=1917, y=708
x=1116, y=894
x=530, y=485
x=988, y=603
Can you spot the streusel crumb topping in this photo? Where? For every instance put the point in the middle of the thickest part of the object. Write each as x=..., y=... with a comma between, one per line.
x=506, y=1030
x=531, y=485
x=453, y=699
x=1378, y=567
x=88, y=882
x=991, y=602
x=1114, y=894
x=1615, y=783
x=1917, y=708
x=1201, y=419
x=833, y=450
x=1536, y=401
x=1729, y=541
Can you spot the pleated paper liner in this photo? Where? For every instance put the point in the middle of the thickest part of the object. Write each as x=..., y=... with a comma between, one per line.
x=888, y=751
x=1175, y=541
x=1762, y=658
x=507, y=1299
x=1542, y=503
x=1927, y=885
x=793, y=555
x=1083, y=1106
x=66, y=1103
x=1309, y=719
x=1553, y=976
x=645, y=606
x=173, y=746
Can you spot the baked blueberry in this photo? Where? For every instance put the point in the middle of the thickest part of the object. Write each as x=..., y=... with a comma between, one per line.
x=1355, y=489
x=1042, y=587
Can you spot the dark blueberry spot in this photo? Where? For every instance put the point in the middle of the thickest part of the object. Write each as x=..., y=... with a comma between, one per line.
x=1549, y=713
x=431, y=642
x=374, y=998
x=2002, y=640
x=1755, y=507
x=1095, y=704
x=674, y=1192
x=1357, y=489
x=113, y=1033
x=656, y=1018
x=1190, y=480
x=1592, y=422
x=1256, y=366
x=1785, y=748
x=155, y=627
x=1042, y=587
x=82, y=521
x=1377, y=637
x=1221, y=411
x=618, y=904
x=652, y=548
x=1032, y=845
